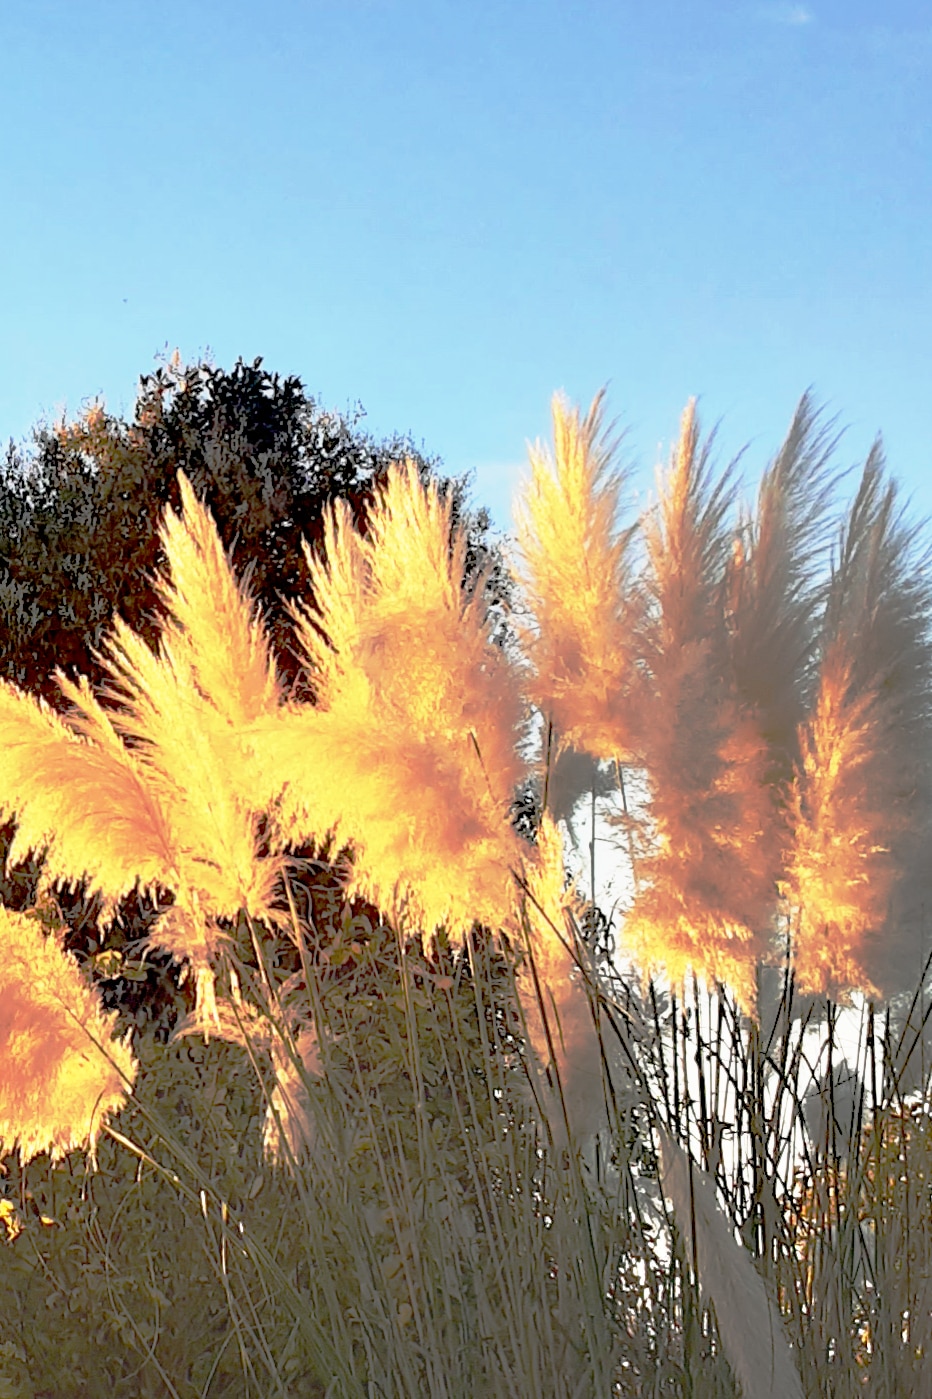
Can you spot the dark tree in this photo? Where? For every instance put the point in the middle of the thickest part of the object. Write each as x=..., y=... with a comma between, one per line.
x=79, y=514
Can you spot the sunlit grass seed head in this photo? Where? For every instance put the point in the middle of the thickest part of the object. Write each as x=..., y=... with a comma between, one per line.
x=576, y=576
x=863, y=797
x=212, y=619
x=181, y=758
x=173, y=811
x=549, y=898
x=62, y=1074
x=393, y=635
x=75, y=788
x=706, y=884
x=773, y=592
x=411, y=754
x=841, y=874
x=330, y=630
x=187, y=705
x=688, y=540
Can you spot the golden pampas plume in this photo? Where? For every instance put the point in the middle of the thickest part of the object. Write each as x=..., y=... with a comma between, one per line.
x=62, y=1073
x=576, y=579
x=706, y=888
x=411, y=753
x=174, y=811
x=858, y=871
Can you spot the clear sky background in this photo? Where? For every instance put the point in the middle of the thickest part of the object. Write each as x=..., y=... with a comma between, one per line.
x=447, y=209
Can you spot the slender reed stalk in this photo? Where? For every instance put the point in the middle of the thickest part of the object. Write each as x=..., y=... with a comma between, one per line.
x=748, y=1319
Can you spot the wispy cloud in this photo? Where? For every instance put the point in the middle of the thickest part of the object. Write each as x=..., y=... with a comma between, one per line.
x=786, y=14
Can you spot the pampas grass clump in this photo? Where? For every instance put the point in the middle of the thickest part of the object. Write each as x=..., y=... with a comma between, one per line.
x=489, y=1135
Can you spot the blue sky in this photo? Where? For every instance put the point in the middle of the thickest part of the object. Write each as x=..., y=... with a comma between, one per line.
x=447, y=211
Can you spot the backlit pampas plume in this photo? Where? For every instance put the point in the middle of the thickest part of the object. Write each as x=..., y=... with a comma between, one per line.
x=577, y=583
x=62, y=1074
x=858, y=872
x=772, y=601
x=706, y=890
x=174, y=811
x=411, y=753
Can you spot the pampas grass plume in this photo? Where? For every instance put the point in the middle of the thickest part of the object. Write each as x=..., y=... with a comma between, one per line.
x=706, y=889
x=576, y=579
x=771, y=600
x=411, y=754
x=173, y=811
x=62, y=1073
x=862, y=802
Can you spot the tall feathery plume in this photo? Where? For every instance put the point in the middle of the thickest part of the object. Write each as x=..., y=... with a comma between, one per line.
x=706, y=893
x=63, y=1074
x=858, y=871
x=577, y=581
x=173, y=812
x=213, y=676
x=562, y=1008
x=411, y=752
x=773, y=601
x=749, y=1322
x=212, y=620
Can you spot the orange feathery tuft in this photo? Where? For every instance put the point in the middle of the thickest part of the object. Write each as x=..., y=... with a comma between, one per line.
x=841, y=874
x=175, y=811
x=342, y=586
x=411, y=755
x=706, y=892
x=858, y=872
x=76, y=789
x=772, y=603
x=577, y=584
x=63, y=1075
x=212, y=619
